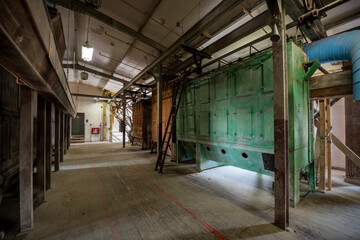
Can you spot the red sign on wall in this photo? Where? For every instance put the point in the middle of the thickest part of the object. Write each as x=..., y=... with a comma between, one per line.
x=95, y=130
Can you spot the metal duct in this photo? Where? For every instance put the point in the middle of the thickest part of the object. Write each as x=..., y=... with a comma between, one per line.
x=341, y=47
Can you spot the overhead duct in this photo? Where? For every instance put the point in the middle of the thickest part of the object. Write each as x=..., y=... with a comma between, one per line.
x=341, y=47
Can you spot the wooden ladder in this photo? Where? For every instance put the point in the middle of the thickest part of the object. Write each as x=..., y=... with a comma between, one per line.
x=167, y=136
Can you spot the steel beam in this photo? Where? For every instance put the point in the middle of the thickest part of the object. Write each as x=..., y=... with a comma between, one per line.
x=199, y=27
x=26, y=159
x=81, y=7
x=83, y=68
x=250, y=27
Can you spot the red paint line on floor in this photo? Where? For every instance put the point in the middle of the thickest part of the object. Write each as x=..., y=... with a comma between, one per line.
x=215, y=232
x=114, y=231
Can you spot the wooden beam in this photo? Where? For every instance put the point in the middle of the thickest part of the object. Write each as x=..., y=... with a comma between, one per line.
x=48, y=146
x=159, y=109
x=65, y=133
x=61, y=136
x=41, y=151
x=328, y=143
x=334, y=92
x=346, y=150
x=69, y=132
x=26, y=159
x=331, y=85
x=281, y=124
x=322, y=146
x=331, y=80
x=57, y=139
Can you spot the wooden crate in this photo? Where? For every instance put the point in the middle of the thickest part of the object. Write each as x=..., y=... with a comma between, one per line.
x=167, y=95
x=142, y=122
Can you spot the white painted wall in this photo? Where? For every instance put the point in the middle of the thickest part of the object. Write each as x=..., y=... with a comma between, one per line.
x=93, y=110
x=338, y=129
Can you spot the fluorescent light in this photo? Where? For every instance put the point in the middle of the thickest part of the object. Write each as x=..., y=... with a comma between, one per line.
x=87, y=52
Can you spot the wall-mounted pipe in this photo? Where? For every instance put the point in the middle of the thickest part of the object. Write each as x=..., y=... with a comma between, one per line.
x=341, y=47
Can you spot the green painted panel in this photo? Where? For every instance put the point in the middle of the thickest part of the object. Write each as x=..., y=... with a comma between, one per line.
x=268, y=75
x=243, y=82
x=244, y=91
x=180, y=123
x=268, y=123
x=204, y=91
x=204, y=125
x=190, y=124
x=244, y=123
x=221, y=87
x=221, y=123
x=190, y=94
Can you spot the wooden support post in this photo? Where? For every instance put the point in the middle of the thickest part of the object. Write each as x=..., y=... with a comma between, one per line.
x=328, y=143
x=57, y=139
x=41, y=151
x=61, y=136
x=352, y=132
x=159, y=90
x=69, y=132
x=124, y=118
x=26, y=159
x=65, y=132
x=322, y=145
x=48, y=146
x=281, y=125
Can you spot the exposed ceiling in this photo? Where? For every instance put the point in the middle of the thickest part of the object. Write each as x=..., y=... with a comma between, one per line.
x=121, y=55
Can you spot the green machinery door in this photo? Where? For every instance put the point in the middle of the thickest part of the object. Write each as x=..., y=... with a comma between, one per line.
x=78, y=124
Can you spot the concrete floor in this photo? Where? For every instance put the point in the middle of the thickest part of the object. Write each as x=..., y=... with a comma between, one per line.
x=106, y=192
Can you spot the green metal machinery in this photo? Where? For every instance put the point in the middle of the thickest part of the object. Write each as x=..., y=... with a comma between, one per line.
x=226, y=117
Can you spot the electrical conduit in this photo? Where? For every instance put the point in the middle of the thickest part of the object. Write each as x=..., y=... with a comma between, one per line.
x=341, y=47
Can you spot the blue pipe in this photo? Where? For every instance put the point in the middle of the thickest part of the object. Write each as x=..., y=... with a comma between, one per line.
x=341, y=47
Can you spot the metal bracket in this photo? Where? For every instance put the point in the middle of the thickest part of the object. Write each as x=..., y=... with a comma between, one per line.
x=197, y=55
x=310, y=68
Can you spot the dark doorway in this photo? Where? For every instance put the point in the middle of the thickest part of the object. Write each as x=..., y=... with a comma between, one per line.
x=78, y=124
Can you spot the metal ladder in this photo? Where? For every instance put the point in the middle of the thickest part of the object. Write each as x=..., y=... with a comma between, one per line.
x=167, y=136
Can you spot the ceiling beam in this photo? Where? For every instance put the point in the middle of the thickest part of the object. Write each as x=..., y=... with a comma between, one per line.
x=244, y=30
x=82, y=68
x=199, y=27
x=81, y=7
x=342, y=21
x=89, y=95
x=148, y=16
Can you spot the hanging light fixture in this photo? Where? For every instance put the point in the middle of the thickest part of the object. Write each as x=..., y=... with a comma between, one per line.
x=86, y=50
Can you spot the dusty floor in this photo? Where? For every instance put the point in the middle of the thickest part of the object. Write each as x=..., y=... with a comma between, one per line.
x=106, y=192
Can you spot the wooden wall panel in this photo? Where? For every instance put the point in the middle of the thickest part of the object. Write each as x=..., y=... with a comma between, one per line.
x=9, y=128
x=352, y=132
